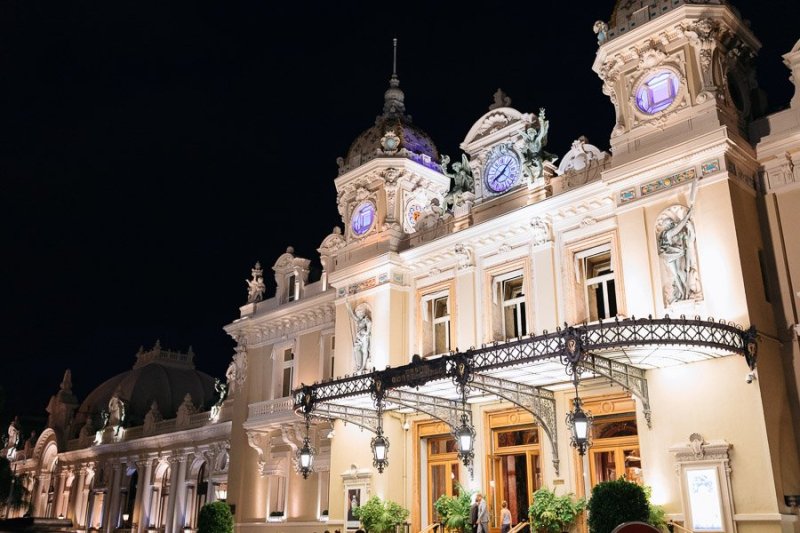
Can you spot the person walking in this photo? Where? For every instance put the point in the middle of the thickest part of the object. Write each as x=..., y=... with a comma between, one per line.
x=483, y=516
x=505, y=518
x=473, y=513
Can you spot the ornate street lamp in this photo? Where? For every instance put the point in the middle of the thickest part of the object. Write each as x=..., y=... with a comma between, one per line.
x=465, y=432
x=579, y=422
x=305, y=454
x=379, y=443
x=380, y=450
x=465, y=440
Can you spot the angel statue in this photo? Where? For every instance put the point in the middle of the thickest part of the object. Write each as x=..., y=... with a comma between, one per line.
x=463, y=180
x=533, y=152
x=361, y=329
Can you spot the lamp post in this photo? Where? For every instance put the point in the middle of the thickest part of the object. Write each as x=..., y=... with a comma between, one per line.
x=464, y=434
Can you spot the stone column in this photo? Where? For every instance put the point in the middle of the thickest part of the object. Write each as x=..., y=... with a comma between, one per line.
x=79, y=516
x=112, y=519
x=173, y=489
x=58, y=503
x=179, y=490
x=141, y=509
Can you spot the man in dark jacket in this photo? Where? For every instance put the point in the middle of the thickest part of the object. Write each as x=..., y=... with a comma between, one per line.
x=473, y=513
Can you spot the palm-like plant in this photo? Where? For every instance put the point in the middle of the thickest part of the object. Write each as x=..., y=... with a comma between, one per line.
x=453, y=511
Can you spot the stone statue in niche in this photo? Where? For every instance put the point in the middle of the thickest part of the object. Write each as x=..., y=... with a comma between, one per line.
x=533, y=153
x=256, y=286
x=361, y=331
x=677, y=253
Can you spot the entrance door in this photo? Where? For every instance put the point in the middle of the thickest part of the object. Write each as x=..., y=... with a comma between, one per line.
x=519, y=476
x=443, y=467
x=516, y=463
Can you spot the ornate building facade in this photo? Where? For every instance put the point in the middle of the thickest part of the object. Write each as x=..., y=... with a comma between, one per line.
x=500, y=292
x=143, y=452
x=443, y=293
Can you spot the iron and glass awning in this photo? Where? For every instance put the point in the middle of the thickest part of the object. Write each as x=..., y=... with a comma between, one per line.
x=520, y=370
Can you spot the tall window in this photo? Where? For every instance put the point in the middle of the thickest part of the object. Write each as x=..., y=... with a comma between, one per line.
x=599, y=282
x=615, y=449
x=277, y=497
x=288, y=372
x=290, y=283
x=436, y=323
x=508, y=295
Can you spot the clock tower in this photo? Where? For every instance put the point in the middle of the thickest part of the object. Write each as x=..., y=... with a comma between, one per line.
x=390, y=174
x=676, y=70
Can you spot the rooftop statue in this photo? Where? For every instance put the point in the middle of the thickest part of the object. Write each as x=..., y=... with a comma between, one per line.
x=256, y=286
x=13, y=438
x=601, y=29
x=533, y=152
x=116, y=413
x=501, y=99
x=463, y=180
x=222, y=392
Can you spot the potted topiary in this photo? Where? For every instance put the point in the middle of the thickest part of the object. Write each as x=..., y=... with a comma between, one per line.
x=379, y=516
x=554, y=514
x=615, y=502
x=215, y=517
x=454, y=511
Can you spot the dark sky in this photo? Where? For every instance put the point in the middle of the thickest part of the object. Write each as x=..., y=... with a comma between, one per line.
x=152, y=151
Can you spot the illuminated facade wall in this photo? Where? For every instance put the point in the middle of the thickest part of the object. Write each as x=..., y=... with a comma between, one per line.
x=523, y=253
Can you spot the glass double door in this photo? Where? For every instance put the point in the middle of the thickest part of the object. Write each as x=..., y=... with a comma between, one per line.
x=443, y=476
x=517, y=476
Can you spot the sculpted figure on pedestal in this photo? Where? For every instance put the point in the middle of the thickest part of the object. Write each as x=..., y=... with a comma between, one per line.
x=256, y=286
x=361, y=330
x=677, y=255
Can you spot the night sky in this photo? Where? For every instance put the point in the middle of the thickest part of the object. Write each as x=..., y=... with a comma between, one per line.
x=152, y=151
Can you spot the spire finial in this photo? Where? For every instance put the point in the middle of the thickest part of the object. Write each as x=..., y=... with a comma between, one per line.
x=394, y=58
x=393, y=105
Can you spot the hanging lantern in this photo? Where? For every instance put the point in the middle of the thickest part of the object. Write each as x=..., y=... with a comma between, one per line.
x=305, y=458
x=579, y=423
x=465, y=440
x=380, y=451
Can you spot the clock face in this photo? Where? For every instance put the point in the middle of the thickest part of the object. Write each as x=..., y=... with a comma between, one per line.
x=413, y=212
x=502, y=172
x=363, y=217
x=657, y=92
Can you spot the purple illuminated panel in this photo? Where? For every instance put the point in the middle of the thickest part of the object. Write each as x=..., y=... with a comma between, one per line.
x=363, y=217
x=658, y=92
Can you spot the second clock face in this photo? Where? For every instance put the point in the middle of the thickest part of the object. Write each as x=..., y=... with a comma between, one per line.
x=502, y=172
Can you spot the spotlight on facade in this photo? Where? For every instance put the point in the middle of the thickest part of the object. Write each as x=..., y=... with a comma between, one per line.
x=465, y=439
x=305, y=458
x=579, y=423
x=125, y=517
x=380, y=450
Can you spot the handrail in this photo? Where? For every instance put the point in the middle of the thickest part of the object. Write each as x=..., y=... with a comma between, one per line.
x=680, y=527
x=519, y=527
x=430, y=528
